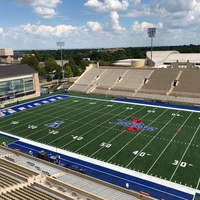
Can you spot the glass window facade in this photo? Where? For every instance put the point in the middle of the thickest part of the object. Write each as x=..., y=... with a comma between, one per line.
x=14, y=87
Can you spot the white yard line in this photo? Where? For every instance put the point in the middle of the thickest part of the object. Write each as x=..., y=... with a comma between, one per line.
x=101, y=133
x=151, y=140
x=168, y=145
x=84, y=125
x=43, y=122
x=24, y=114
x=197, y=188
x=115, y=168
x=25, y=118
x=72, y=122
x=134, y=137
x=198, y=185
x=184, y=153
x=157, y=106
x=106, y=131
x=108, y=142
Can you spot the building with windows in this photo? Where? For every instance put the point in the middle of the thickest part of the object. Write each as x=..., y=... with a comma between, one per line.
x=6, y=55
x=18, y=82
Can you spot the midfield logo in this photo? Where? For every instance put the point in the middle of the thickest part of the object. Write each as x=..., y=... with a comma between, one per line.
x=54, y=124
x=133, y=125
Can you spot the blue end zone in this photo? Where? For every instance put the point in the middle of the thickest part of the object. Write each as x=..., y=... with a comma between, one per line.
x=31, y=104
x=110, y=175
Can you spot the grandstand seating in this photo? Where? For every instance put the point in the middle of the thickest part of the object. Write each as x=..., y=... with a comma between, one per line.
x=188, y=83
x=160, y=81
x=22, y=177
x=166, y=85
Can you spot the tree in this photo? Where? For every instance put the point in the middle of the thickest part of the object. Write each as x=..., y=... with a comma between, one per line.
x=68, y=71
x=48, y=78
x=31, y=60
x=50, y=65
x=74, y=67
x=83, y=64
x=41, y=71
x=58, y=73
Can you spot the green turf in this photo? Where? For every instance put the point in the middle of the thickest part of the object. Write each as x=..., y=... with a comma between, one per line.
x=170, y=152
x=6, y=139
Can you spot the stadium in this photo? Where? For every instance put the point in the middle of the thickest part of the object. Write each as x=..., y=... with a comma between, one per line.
x=121, y=132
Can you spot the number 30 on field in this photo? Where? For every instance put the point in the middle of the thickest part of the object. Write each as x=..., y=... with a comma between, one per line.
x=177, y=162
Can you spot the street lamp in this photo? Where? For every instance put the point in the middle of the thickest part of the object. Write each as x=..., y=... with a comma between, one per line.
x=151, y=32
x=61, y=44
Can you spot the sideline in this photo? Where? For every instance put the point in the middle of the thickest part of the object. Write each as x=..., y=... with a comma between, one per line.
x=130, y=173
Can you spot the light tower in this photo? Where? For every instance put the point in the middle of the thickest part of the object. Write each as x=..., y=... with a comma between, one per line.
x=151, y=32
x=61, y=44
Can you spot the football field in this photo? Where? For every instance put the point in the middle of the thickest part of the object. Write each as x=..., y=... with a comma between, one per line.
x=161, y=142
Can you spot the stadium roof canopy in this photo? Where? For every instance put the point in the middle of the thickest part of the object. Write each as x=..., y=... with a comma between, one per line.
x=161, y=57
x=15, y=70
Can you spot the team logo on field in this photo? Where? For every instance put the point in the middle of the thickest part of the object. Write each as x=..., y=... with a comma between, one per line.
x=54, y=124
x=133, y=125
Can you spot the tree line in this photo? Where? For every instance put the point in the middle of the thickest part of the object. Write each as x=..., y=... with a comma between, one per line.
x=79, y=59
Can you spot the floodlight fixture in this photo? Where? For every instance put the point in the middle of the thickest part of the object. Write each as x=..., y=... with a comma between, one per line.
x=151, y=32
x=61, y=44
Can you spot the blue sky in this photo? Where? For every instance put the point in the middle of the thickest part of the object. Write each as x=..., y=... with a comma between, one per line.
x=39, y=24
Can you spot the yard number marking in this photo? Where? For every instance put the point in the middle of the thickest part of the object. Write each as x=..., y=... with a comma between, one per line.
x=174, y=114
x=151, y=111
x=14, y=122
x=32, y=127
x=53, y=132
x=141, y=154
x=129, y=108
x=182, y=164
x=75, y=137
x=106, y=145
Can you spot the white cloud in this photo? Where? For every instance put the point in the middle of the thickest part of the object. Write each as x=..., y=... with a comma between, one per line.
x=137, y=27
x=1, y=30
x=108, y=5
x=38, y=3
x=114, y=22
x=178, y=14
x=46, y=3
x=43, y=8
x=42, y=31
x=64, y=30
x=177, y=6
x=45, y=12
x=177, y=22
x=94, y=26
x=142, y=27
